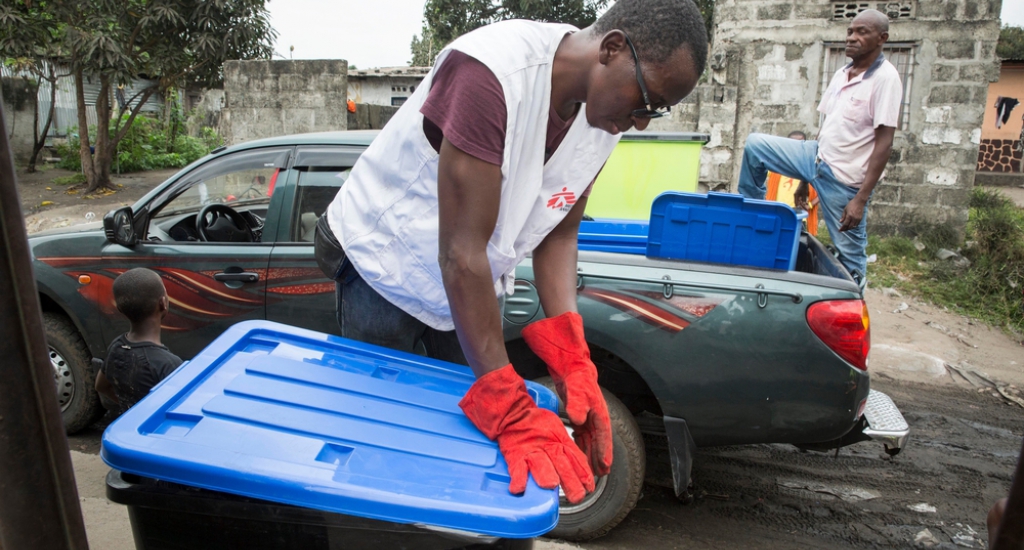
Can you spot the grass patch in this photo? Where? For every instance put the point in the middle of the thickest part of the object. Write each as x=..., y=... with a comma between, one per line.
x=986, y=283
x=73, y=179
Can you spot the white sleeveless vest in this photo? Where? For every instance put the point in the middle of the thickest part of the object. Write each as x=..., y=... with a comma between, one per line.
x=386, y=214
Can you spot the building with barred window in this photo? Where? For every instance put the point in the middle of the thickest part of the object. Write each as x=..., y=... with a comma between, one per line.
x=771, y=61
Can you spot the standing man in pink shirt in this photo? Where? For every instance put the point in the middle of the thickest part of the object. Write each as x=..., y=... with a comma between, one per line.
x=861, y=108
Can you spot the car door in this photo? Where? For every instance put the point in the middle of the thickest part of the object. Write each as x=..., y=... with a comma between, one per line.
x=298, y=293
x=211, y=284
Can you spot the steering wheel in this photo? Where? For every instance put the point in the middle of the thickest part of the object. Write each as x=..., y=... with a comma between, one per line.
x=223, y=224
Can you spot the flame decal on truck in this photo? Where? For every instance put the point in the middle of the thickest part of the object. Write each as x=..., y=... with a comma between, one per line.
x=667, y=314
x=196, y=298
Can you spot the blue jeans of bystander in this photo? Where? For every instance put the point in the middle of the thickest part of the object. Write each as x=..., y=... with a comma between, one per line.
x=799, y=159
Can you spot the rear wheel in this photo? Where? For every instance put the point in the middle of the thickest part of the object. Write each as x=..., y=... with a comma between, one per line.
x=74, y=380
x=616, y=494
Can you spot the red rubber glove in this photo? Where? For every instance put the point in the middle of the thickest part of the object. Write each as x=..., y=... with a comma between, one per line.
x=560, y=343
x=532, y=440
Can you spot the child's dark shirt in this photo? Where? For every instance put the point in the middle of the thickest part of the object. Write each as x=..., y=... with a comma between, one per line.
x=133, y=368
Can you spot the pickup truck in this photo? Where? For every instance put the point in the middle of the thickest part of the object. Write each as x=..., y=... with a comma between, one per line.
x=699, y=354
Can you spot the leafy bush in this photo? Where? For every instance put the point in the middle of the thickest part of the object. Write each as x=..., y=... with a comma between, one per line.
x=144, y=147
x=68, y=153
x=988, y=286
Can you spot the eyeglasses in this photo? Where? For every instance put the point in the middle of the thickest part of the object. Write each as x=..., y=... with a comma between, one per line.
x=648, y=112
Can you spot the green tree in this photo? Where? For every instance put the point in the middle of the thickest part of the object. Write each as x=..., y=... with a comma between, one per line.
x=176, y=43
x=423, y=50
x=32, y=37
x=445, y=20
x=1011, y=43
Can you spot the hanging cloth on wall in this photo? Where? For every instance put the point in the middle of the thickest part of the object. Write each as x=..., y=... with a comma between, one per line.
x=1004, y=105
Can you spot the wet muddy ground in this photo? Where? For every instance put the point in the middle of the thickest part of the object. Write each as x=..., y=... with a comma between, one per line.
x=935, y=494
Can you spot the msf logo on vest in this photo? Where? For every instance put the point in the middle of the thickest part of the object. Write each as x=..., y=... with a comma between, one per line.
x=562, y=201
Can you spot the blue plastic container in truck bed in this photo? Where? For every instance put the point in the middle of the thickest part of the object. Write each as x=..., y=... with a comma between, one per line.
x=724, y=228
x=609, y=235
x=716, y=227
x=292, y=416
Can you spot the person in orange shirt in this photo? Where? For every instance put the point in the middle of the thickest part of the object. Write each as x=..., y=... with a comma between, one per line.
x=783, y=189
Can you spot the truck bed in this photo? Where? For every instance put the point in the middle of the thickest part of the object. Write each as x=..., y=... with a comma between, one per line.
x=726, y=347
x=815, y=265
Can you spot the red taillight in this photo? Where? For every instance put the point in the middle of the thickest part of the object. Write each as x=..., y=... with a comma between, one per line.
x=844, y=327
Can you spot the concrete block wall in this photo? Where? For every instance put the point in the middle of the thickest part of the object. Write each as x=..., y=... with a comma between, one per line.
x=273, y=98
x=765, y=71
x=931, y=171
x=772, y=54
x=369, y=116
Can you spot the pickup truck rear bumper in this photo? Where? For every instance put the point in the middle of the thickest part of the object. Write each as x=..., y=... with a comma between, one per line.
x=885, y=423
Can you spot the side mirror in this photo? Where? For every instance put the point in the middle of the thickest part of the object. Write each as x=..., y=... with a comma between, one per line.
x=119, y=227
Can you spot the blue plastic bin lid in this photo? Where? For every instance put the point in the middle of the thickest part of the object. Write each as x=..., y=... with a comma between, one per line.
x=724, y=228
x=294, y=416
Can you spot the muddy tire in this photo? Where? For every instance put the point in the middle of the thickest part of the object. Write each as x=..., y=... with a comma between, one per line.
x=616, y=494
x=74, y=380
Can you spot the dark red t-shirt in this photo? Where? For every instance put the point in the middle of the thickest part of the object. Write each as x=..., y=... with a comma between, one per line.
x=467, y=105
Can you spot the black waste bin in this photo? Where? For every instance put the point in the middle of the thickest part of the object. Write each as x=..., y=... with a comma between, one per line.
x=280, y=437
x=169, y=516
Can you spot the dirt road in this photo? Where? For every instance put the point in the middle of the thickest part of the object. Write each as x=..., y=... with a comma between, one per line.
x=959, y=462
x=965, y=438
x=48, y=205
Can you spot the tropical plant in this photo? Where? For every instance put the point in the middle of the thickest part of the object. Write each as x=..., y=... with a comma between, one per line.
x=32, y=40
x=174, y=43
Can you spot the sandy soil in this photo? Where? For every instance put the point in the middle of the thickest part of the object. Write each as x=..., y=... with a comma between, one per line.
x=47, y=205
x=913, y=340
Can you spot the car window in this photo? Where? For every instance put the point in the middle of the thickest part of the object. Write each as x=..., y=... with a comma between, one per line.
x=315, y=189
x=245, y=179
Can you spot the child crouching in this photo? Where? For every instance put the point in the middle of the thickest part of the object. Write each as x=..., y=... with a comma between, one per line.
x=137, y=361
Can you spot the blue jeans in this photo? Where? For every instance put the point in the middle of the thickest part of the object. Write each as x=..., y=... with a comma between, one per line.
x=366, y=316
x=799, y=160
